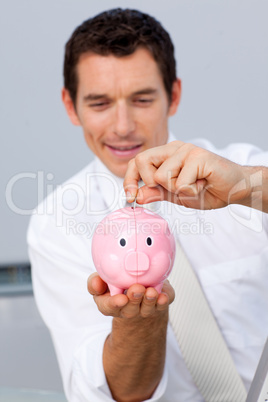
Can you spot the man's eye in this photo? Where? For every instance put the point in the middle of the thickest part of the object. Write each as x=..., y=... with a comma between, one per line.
x=144, y=100
x=99, y=104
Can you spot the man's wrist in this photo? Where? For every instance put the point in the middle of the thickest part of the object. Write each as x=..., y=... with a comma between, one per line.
x=134, y=356
x=255, y=185
x=143, y=327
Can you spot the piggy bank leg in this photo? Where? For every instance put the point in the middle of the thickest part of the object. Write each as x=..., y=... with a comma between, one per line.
x=114, y=290
x=159, y=287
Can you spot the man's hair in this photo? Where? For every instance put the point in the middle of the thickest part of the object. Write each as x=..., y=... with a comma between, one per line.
x=119, y=32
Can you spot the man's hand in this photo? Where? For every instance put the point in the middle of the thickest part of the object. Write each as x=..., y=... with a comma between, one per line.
x=134, y=352
x=195, y=178
x=137, y=302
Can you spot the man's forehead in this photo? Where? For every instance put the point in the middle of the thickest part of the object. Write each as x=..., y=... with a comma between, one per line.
x=102, y=72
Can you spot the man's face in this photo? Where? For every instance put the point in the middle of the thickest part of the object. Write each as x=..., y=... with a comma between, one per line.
x=121, y=105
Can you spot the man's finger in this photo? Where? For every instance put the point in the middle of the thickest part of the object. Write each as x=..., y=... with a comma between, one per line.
x=169, y=291
x=148, y=305
x=152, y=194
x=149, y=161
x=95, y=285
x=131, y=181
x=167, y=174
x=135, y=295
x=111, y=305
x=144, y=166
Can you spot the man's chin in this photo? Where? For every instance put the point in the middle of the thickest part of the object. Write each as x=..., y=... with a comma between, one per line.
x=117, y=164
x=118, y=169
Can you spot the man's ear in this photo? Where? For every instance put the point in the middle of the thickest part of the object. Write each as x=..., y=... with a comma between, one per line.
x=69, y=106
x=175, y=97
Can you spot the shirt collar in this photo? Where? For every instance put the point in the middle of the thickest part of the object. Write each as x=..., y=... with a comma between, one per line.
x=110, y=185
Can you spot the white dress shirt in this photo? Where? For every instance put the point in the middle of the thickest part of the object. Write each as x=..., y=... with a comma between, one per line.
x=228, y=250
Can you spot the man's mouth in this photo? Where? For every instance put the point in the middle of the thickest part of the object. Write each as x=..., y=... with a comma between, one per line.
x=124, y=151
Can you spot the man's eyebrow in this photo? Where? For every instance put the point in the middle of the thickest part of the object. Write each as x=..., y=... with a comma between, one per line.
x=94, y=97
x=145, y=91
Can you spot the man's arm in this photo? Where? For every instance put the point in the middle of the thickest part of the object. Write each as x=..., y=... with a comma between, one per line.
x=195, y=178
x=134, y=352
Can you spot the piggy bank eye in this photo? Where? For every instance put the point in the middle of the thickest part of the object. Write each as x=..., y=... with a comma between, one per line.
x=122, y=242
x=149, y=241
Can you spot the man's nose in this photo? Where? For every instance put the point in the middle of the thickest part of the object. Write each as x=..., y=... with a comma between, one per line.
x=124, y=123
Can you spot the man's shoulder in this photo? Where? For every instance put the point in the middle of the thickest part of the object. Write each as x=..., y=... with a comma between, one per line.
x=239, y=152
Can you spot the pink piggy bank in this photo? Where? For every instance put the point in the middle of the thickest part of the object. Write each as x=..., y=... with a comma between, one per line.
x=133, y=246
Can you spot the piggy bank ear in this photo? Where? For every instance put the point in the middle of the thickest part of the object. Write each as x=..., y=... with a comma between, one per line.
x=105, y=228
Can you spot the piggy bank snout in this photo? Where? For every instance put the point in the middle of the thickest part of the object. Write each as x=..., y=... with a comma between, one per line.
x=136, y=263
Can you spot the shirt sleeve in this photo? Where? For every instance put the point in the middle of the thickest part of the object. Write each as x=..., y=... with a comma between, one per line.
x=61, y=263
x=60, y=266
x=89, y=382
x=248, y=155
x=243, y=154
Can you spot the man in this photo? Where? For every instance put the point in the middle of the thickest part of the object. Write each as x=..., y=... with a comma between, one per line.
x=120, y=86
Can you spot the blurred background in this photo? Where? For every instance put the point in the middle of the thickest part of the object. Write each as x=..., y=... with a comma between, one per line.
x=222, y=59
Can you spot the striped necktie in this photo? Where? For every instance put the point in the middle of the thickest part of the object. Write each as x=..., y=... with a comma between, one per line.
x=202, y=345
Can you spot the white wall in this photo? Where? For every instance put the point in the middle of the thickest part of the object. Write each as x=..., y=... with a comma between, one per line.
x=222, y=54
